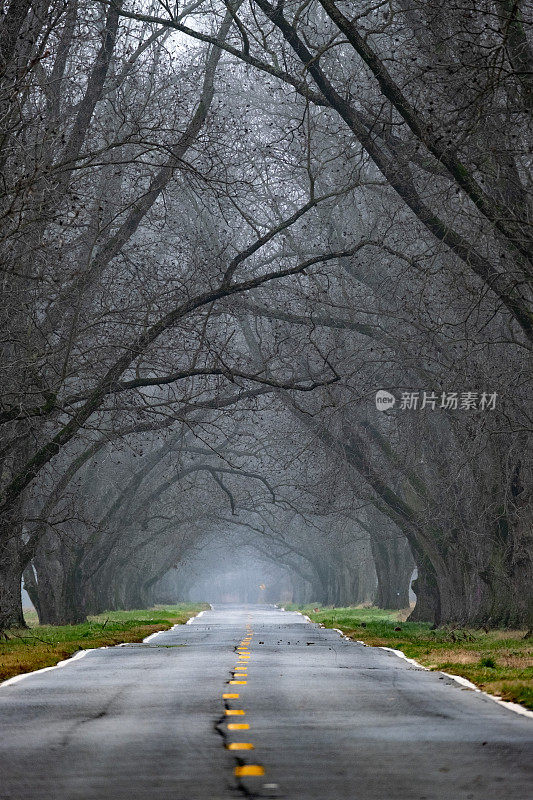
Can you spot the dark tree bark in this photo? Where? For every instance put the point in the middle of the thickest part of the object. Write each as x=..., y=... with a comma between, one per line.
x=11, y=615
x=427, y=608
x=394, y=566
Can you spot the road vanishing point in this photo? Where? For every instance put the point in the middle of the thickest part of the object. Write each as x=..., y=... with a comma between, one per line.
x=253, y=701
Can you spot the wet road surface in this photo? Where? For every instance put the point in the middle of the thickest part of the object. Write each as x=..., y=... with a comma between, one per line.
x=254, y=701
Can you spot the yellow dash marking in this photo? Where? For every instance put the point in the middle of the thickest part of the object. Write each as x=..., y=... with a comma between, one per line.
x=234, y=712
x=238, y=726
x=249, y=769
x=240, y=746
x=228, y=696
x=233, y=683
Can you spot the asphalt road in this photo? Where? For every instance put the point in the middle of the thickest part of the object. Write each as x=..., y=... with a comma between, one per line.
x=327, y=719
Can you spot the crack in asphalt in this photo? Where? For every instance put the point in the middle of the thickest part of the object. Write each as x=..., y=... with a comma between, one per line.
x=67, y=736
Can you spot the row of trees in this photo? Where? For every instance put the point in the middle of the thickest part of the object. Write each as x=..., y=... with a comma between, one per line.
x=120, y=544
x=225, y=226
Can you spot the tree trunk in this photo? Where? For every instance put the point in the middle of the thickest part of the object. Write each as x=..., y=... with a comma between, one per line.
x=11, y=615
x=394, y=566
x=490, y=586
x=74, y=610
x=427, y=608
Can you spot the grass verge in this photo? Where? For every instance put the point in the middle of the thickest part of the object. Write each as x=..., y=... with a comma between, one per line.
x=25, y=650
x=498, y=661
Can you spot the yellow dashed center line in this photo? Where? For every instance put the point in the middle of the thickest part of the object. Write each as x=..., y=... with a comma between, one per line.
x=249, y=769
x=240, y=746
x=239, y=673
